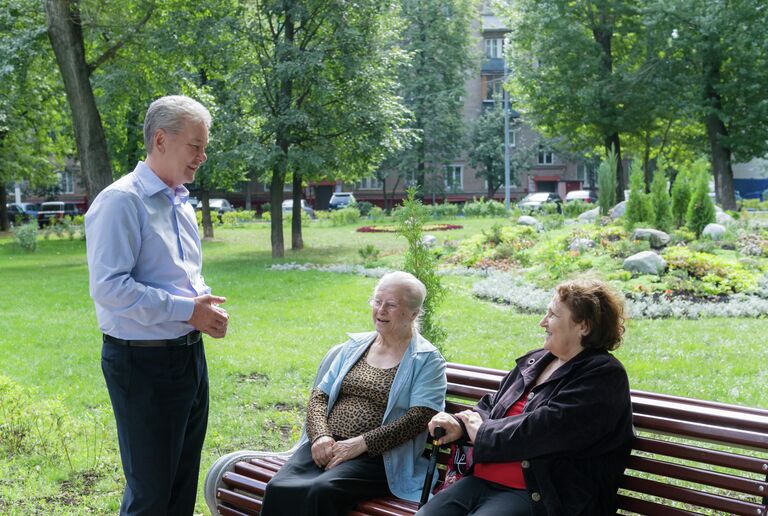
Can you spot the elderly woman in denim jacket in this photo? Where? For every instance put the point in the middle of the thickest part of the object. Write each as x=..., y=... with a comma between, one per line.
x=555, y=438
x=367, y=419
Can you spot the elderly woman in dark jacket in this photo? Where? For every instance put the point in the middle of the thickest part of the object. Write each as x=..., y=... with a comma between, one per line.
x=555, y=438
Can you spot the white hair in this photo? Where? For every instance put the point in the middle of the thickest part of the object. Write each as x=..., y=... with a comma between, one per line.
x=169, y=114
x=413, y=290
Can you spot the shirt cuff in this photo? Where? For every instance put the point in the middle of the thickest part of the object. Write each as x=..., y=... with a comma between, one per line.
x=183, y=307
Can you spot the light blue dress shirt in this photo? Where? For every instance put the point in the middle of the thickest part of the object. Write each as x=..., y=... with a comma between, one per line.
x=144, y=257
x=419, y=382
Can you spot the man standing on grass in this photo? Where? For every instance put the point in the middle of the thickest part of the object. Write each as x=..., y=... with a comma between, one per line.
x=145, y=260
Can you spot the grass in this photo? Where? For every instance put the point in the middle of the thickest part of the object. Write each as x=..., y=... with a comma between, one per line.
x=282, y=322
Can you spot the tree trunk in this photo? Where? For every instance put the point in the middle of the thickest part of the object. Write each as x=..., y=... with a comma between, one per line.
x=66, y=35
x=4, y=222
x=612, y=142
x=720, y=155
x=276, y=208
x=282, y=137
x=296, y=240
x=205, y=199
x=603, y=35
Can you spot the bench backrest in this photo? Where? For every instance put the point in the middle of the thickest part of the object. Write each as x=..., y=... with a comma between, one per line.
x=689, y=455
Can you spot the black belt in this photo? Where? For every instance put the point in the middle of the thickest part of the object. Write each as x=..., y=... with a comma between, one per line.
x=189, y=339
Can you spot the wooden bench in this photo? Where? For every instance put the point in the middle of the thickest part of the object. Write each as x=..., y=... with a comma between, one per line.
x=690, y=457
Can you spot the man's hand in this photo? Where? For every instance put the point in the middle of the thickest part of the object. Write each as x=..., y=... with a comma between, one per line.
x=449, y=424
x=347, y=449
x=209, y=318
x=472, y=422
x=322, y=450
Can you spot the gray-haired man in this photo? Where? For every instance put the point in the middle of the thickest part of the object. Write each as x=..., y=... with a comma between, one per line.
x=145, y=261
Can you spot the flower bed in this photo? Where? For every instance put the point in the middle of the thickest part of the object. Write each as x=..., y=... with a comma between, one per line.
x=393, y=229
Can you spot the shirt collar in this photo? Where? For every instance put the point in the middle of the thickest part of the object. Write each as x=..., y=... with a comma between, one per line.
x=152, y=184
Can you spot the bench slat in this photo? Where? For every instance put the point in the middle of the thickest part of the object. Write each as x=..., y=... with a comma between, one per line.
x=239, y=500
x=244, y=482
x=704, y=432
x=701, y=403
x=697, y=475
x=467, y=391
x=638, y=506
x=689, y=452
x=228, y=511
x=690, y=496
x=703, y=413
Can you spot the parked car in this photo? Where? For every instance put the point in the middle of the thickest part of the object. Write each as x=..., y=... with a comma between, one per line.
x=581, y=195
x=288, y=207
x=341, y=200
x=220, y=206
x=21, y=212
x=56, y=210
x=536, y=201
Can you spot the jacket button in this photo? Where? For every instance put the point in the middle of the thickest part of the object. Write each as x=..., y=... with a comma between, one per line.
x=536, y=497
x=530, y=395
x=525, y=464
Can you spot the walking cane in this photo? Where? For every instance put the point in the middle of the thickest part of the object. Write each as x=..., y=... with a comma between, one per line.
x=439, y=432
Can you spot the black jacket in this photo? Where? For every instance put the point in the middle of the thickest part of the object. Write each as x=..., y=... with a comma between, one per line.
x=573, y=437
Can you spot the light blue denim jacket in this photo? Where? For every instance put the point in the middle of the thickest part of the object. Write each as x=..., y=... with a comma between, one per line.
x=419, y=382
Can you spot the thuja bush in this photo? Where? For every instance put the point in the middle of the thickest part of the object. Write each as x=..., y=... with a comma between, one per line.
x=701, y=210
x=681, y=196
x=662, y=204
x=637, y=204
x=420, y=262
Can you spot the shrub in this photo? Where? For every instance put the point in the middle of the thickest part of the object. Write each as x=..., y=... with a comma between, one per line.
x=376, y=213
x=717, y=275
x=26, y=235
x=573, y=209
x=345, y=216
x=606, y=180
x=681, y=197
x=445, y=210
x=369, y=254
x=238, y=218
x=637, y=204
x=701, y=211
x=662, y=204
x=266, y=208
x=364, y=207
x=482, y=208
x=682, y=236
x=420, y=262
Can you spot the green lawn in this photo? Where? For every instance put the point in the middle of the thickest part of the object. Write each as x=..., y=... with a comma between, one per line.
x=65, y=459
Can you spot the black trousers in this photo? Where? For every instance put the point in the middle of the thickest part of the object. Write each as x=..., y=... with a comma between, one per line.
x=300, y=488
x=160, y=399
x=478, y=497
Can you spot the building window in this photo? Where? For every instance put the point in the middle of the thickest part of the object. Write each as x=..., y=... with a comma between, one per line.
x=454, y=178
x=66, y=182
x=587, y=174
x=512, y=137
x=370, y=183
x=545, y=156
x=492, y=86
x=494, y=48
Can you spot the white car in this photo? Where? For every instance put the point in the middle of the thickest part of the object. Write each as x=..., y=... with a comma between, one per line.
x=288, y=207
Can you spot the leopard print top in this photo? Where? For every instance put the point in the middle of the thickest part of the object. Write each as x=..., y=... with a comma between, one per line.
x=360, y=409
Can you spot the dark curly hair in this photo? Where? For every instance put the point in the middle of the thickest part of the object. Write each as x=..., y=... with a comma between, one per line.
x=594, y=302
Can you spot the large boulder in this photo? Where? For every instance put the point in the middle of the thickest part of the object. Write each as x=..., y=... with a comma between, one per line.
x=657, y=238
x=581, y=244
x=429, y=240
x=527, y=220
x=589, y=215
x=618, y=210
x=646, y=262
x=723, y=218
x=713, y=231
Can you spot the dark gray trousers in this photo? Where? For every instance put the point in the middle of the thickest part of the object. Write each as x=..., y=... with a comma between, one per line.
x=478, y=497
x=300, y=488
x=160, y=399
